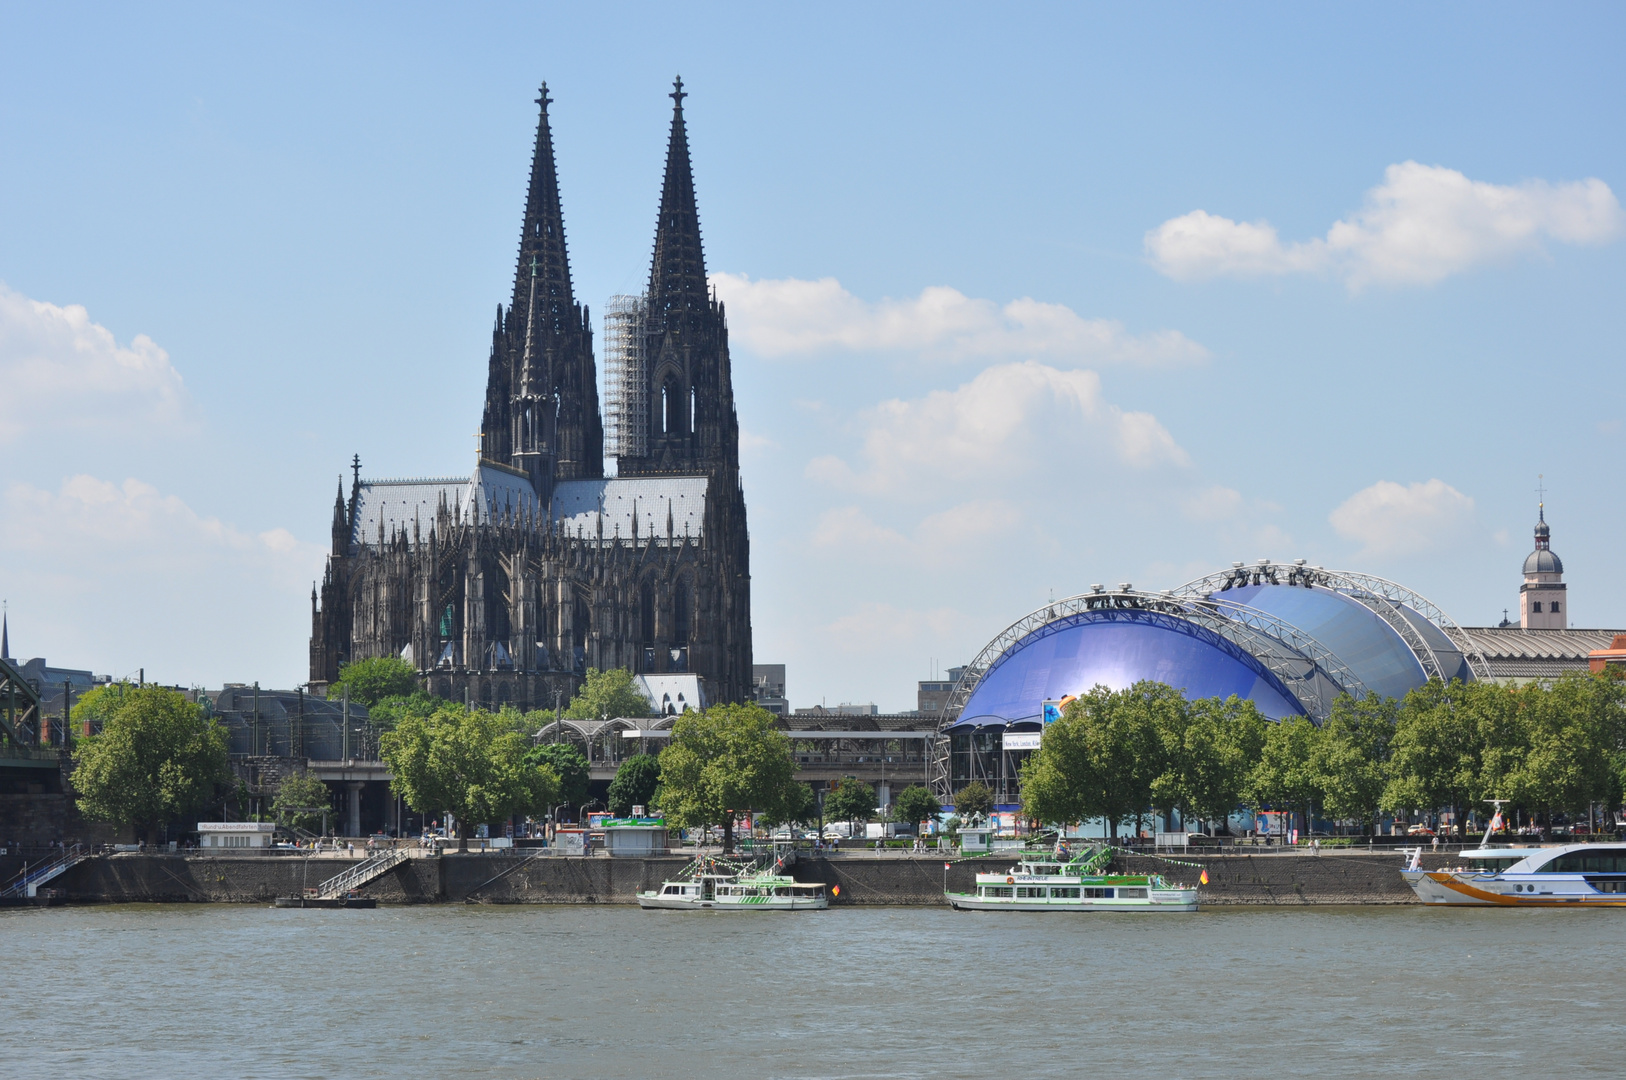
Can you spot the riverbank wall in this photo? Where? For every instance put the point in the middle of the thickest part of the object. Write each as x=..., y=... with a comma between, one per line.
x=1274, y=880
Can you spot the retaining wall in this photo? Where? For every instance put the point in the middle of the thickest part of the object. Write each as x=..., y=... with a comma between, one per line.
x=512, y=879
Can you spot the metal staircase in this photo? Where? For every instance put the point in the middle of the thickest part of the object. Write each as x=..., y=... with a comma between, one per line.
x=362, y=873
x=27, y=882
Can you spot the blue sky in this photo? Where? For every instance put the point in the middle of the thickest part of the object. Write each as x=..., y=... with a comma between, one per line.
x=1020, y=300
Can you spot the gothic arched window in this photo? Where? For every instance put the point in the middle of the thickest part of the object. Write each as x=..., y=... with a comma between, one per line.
x=680, y=614
x=646, y=615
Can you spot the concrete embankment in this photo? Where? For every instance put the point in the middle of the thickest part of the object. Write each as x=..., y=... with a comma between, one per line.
x=506, y=879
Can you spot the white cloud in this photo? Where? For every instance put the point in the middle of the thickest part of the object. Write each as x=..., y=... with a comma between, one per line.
x=60, y=369
x=791, y=316
x=1393, y=519
x=1422, y=224
x=1005, y=421
x=97, y=524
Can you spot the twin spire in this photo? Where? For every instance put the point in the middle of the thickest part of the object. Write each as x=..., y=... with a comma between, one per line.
x=677, y=275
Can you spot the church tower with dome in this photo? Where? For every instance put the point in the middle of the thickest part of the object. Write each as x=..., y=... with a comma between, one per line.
x=1543, y=604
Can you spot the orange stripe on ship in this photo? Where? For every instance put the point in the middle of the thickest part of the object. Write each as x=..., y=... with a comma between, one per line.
x=1513, y=901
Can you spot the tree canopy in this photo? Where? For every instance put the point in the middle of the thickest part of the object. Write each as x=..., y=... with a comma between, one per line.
x=635, y=784
x=156, y=758
x=726, y=761
x=608, y=694
x=301, y=799
x=468, y=764
x=1102, y=758
x=915, y=804
x=973, y=801
x=850, y=800
x=387, y=712
x=374, y=679
x=570, y=764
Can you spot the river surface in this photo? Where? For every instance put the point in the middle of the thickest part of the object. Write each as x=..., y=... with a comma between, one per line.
x=215, y=990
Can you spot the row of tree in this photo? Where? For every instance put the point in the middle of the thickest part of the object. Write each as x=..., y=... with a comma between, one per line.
x=1547, y=746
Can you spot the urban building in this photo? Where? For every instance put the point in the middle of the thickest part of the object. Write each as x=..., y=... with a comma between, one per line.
x=1542, y=644
x=505, y=585
x=932, y=695
x=768, y=688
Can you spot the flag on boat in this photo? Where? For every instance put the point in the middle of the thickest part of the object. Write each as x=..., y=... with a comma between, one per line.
x=1203, y=877
x=947, y=865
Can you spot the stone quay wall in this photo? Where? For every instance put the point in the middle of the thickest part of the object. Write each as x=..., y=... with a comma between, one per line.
x=513, y=879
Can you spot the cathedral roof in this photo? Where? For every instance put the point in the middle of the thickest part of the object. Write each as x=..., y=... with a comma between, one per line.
x=398, y=503
x=577, y=503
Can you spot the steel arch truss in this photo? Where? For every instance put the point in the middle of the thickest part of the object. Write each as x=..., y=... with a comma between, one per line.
x=1382, y=597
x=1309, y=671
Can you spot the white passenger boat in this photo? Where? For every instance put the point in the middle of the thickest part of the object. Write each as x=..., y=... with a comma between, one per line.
x=1565, y=875
x=1580, y=875
x=725, y=886
x=1047, y=882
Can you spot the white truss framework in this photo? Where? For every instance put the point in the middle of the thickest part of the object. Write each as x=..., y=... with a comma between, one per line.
x=1382, y=597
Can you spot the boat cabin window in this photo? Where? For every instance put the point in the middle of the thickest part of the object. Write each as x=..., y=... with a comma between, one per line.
x=1097, y=893
x=1601, y=861
x=1494, y=865
x=996, y=890
x=1030, y=892
x=1065, y=893
x=1131, y=894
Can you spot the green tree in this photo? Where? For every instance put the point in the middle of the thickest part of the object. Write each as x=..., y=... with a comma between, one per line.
x=301, y=800
x=1285, y=775
x=801, y=808
x=569, y=764
x=374, y=679
x=1350, y=759
x=851, y=801
x=728, y=760
x=1218, y=748
x=387, y=712
x=157, y=758
x=607, y=695
x=974, y=801
x=915, y=804
x=635, y=784
x=1573, y=737
x=1101, y=759
x=1437, y=759
x=465, y=763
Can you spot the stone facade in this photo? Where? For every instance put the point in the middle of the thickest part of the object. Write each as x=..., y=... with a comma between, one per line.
x=503, y=587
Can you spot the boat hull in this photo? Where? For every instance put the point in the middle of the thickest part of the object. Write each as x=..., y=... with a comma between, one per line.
x=1445, y=888
x=655, y=901
x=357, y=902
x=1176, y=900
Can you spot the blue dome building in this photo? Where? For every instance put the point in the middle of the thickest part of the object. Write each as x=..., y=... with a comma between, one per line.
x=1289, y=637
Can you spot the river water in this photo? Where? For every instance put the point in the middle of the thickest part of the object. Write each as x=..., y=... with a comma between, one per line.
x=238, y=991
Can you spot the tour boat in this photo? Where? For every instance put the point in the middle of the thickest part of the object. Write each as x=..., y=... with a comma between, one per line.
x=722, y=886
x=1047, y=882
x=1586, y=875
x=1582, y=875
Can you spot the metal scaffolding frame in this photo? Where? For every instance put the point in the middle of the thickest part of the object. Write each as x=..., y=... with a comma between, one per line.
x=1382, y=597
x=626, y=380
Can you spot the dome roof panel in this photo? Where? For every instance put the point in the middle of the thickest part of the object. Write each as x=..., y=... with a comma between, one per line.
x=1117, y=649
x=1377, y=655
x=1543, y=561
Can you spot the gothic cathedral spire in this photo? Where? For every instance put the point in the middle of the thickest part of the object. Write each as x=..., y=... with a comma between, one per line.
x=692, y=428
x=541, y=414
x=677, y=276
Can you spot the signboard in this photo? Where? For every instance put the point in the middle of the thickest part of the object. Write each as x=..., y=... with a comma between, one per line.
x=1022, y=740
x=1051, y=711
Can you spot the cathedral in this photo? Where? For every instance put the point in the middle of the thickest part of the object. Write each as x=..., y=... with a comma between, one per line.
x=506, y=585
